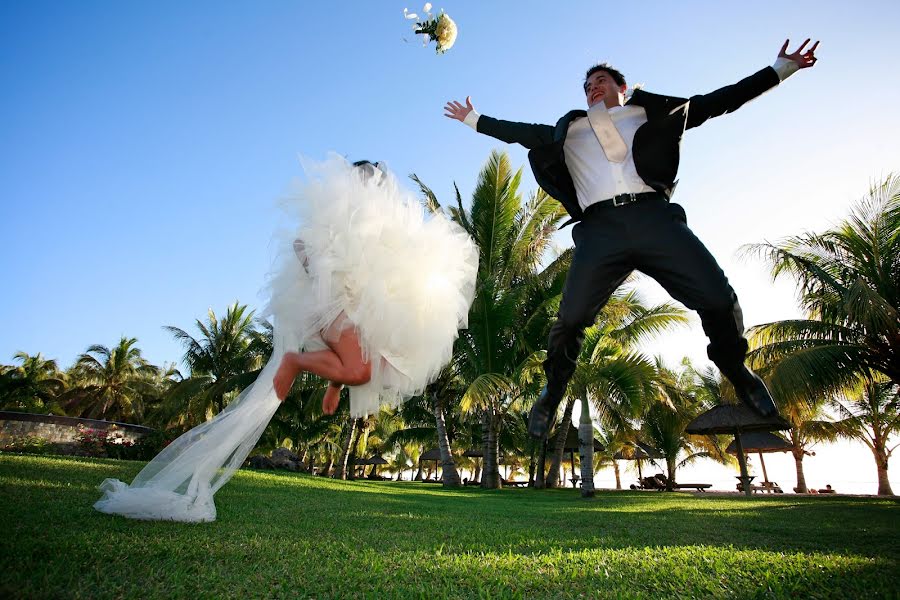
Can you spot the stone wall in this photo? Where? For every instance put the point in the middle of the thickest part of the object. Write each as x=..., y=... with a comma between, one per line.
x=58, y=430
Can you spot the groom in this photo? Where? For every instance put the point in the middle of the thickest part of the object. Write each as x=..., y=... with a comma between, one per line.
x=613, y=167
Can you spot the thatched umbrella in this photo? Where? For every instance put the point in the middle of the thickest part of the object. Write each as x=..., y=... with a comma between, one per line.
x=375, y=461
x=759, y=442
x=572, y=445
x=435, y=455
x=358, y=462
x=735, y=419
x=638, y=452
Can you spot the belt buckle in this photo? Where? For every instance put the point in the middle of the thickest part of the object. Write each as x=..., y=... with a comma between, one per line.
x=625, y=199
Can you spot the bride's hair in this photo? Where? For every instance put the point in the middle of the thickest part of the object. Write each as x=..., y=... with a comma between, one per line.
x=369, y=169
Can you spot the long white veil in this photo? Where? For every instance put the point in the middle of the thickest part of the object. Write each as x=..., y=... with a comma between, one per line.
x=179, y=483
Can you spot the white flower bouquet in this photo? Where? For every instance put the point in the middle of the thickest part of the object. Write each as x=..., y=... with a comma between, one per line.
x=440, y=29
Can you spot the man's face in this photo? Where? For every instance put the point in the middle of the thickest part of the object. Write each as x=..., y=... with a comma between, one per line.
x=601, y=87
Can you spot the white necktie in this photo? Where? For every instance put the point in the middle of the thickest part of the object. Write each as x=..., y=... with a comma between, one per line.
x=609, y=137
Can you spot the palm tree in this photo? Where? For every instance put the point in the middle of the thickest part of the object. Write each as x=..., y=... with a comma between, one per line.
x=615, y=441
x=440, y=393
x=350, y=427
x=849, y=280
x=871, y=415
x=808, y=425
x=510, y=315
x=299, y=423
x=378, y=442
x=226, y=358
x=112, y=384
x=610, y=374
x=34, y=386
x=665, y=421
x=165, y=380
x=404, y=457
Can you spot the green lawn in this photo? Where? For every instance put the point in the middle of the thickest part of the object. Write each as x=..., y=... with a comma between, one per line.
x=289, y=535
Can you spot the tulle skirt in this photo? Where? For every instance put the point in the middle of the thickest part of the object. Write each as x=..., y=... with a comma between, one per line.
x=364, y=254
x=358, y=251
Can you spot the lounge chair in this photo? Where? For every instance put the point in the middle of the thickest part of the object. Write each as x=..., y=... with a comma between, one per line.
x=511, y=483
x=770, y=487
x=656, y=482
x=700, y=487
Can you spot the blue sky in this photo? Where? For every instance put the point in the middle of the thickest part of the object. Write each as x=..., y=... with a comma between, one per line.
x=144, y=146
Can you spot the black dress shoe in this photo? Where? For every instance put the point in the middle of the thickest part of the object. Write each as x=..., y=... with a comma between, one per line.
x=752, y=391
x=542, y=413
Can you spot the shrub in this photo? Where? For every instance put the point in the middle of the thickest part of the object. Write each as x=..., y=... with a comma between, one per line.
x=30, y=445
x=113, y=443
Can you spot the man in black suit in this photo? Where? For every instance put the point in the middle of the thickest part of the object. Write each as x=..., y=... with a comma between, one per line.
x=613, y=168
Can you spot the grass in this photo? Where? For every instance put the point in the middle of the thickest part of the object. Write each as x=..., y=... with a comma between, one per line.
x=282, y=535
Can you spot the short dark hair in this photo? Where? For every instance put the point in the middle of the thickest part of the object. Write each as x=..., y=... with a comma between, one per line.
x=613, y=72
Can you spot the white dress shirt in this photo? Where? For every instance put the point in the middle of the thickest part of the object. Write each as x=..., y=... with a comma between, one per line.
x=595, y=177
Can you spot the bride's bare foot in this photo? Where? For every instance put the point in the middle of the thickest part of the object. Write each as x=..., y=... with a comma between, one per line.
x=332, y=398
x=286, y=374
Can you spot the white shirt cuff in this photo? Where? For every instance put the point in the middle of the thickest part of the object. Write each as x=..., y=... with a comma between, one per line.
x=472, y=119
x=785, y=67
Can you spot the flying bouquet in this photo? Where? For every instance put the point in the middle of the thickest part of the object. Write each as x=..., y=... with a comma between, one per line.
x=440, y=29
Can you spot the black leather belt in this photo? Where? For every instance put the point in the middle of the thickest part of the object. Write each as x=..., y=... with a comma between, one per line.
x=623, y=199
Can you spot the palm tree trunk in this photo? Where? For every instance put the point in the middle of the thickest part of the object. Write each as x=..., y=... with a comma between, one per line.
x=363, y=443
x=618, y=477
x=359, y=446
x=531, y=464
x=798, y=463
x=341, y=468
x=670, y=476
x=586, y=449
x=490, y=478
x=328, y=471
x=449, y=474
x=557, y=457
x=881, y=461
x=540, y=480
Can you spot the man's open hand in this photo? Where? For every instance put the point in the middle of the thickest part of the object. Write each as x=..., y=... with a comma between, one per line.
x=455, y=110
x=803, y=59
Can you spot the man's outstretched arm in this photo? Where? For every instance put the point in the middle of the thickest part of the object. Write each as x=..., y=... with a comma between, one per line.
x=530, y=135
x=730, y=98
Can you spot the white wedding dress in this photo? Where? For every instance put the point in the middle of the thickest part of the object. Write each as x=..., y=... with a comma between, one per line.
x=361, y=252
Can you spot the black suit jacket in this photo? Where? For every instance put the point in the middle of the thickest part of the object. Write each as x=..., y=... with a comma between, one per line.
x=656, y=147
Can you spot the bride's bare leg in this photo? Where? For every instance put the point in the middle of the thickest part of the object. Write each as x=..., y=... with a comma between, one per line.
x=342, y=364
x=332, y=397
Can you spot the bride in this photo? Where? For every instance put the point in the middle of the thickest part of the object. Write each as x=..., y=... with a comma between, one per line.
x=367, y=291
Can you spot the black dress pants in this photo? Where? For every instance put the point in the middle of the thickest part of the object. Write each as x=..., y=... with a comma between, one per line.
x=650, y=236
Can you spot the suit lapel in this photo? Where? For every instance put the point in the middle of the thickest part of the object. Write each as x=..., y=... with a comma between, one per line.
x=657, y=106
x=562, y=126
